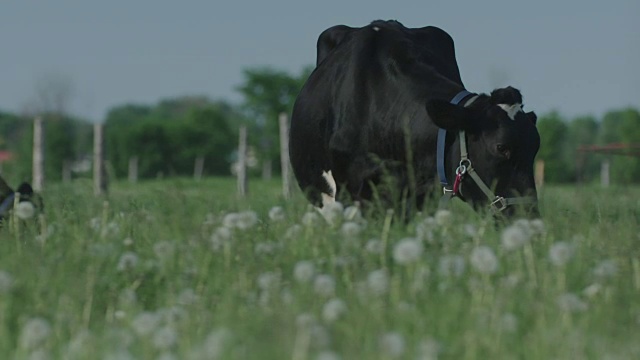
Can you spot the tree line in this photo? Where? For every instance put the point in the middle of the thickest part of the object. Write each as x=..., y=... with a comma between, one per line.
x=168, y=136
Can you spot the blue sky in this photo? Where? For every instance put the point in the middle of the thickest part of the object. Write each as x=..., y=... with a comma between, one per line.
x=577, y=57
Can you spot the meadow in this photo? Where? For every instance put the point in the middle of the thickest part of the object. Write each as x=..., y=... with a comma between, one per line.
x=179, y=269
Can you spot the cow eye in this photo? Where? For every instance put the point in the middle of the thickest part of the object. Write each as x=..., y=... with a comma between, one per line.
x=503, y=150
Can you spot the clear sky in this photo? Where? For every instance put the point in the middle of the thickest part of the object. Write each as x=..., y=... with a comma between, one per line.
x=577, y=57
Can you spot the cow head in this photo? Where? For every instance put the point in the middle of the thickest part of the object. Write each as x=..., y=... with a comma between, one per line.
x=28, y=205
x=502, y=142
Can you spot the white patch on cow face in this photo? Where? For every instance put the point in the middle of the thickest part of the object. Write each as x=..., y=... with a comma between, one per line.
x=375, y=28
x=512, y=110
x=329, y=198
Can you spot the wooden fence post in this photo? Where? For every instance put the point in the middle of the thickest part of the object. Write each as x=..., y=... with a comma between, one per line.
x=133, y=169
x=285, y=162
x=99, y=178
x=242, y=163
x=604, y=173
x=66, y=171
x=38, y=155
x=198, y=167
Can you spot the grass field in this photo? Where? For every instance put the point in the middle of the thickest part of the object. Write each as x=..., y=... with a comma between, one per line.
x=177, y=269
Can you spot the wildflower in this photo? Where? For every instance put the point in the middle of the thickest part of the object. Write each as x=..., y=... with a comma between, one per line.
x=352, y=213
x=215, y=341
x=164, y=250
x=425, y=229
x=351, y=229
x=333, y=309
x=127, y=242
x=39, y=354
x=187, y=297
x=392, y=344
x=145, y=322
x=311, y=219
x=35, y=332
x=374, y=246
x=606, y=269
x=484, y=260
x=128, y=261
x=6, y=282
x=265, y=248
x=378, y=282
x=324, y=285
x=246, y=220
x=112, y=228
x=428, y=349
x=514, y=237
x=509, y=322
x=165, y=338
x=537, y=227
x=304, y=271
x=560, y=253
x=276, y=213
x=230, y=220
x=444, y=218
x=592, y=290
x=471, y=230
x=451, y=266
x=219, y=237
x=293, y=232
x=24, y=210
x=268, y=280
x=407, y=251
x=571, y=303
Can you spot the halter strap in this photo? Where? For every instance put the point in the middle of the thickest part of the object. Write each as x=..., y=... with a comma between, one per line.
x=442, y=137
x=6, y=204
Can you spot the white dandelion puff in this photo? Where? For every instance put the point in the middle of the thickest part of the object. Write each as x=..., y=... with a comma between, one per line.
x=304, y=271
x=351, y=229
x=571, y=303
x=127, y=242
x=471, y=230
x=246, y=220
x=215, y=342
x=374, y=246
x=165, y=338
x=187, y=297
x=378, y=282
x=514, y=237
x=560, y=253
x=128, y=261
x=268, y=280
x=425, y=229
x=145, y=323
x=352, y=213
x=428, y=349
x=592, y=290
x=25, y=210
x=327, y=355
x=392, y=344
x=606, y=269
x=6, y=282
x=277, y=214
x=537, y=227
x=311, y=219
x=164, y=250
x=230, y=220
x=333, y=310
x=324, y=285
x=509, y=322
x=34, y=333
x=444, y=218
x=407, y=251
x=332, y=212
x=484, y=260
x=293, y=232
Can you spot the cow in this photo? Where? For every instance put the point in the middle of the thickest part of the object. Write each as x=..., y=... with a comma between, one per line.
x=28, y=205
x=386, y=104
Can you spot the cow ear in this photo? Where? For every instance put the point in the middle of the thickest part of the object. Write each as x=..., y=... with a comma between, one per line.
x=531, y=116
x=448, y=116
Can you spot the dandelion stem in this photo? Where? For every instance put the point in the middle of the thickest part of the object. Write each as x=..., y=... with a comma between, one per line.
x=385, y=237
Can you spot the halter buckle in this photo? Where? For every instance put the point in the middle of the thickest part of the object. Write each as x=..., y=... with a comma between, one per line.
x=499, y=204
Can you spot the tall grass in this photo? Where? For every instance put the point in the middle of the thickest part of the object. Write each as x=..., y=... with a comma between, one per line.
x=178, y=269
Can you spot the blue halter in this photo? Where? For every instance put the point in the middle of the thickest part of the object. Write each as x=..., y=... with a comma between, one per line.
x=442, y=136
x=7, y=203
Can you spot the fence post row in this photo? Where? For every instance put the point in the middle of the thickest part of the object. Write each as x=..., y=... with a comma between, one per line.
x=38, y=155
x=242, y=163
x=99, y=178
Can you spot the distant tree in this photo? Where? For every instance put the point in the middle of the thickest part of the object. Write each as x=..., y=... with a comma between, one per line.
x=622, y=126
x=582, y=131
x=267, y=93
x=553, y=144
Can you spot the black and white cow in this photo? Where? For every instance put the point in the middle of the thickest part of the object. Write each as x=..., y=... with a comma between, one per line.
x=389, y=100
x=29, y=203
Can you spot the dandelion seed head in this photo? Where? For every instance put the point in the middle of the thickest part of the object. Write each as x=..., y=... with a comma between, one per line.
x=128, y=261
x=374, y=246
x=324, y=285
x=6, y=282
x=293, y=233
x=327, y=355
x=570, y=302
x=471, y=230
x=230, y=220
x=215, y=342
x=592, y=290
x=606, y=269
x=268, y=281
x=352, y=213
x=165, y=338
x=514, y=237
x=392, y=344
x=266, y=248
x=187, y=297
x=145, y=323
x=333, y=310
x=332, y=212
x=425, y=229
x=560, y=253
x=484, y=260
x=277, y=214
x=509, y=322
x=378, y=282
x=304, y=271
x=164, y=250
x=35, y=332
x=407, y=251
x=127, y=242
x=311, y=219
x=350, y=229
x=246, y=220
x=444, y=218
x=24, y=210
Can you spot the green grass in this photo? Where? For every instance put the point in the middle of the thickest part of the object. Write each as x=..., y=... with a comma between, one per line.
x=142, y=275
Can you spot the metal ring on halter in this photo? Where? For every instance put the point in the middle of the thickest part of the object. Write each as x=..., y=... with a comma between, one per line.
x=465, y=162
x=461, y=170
